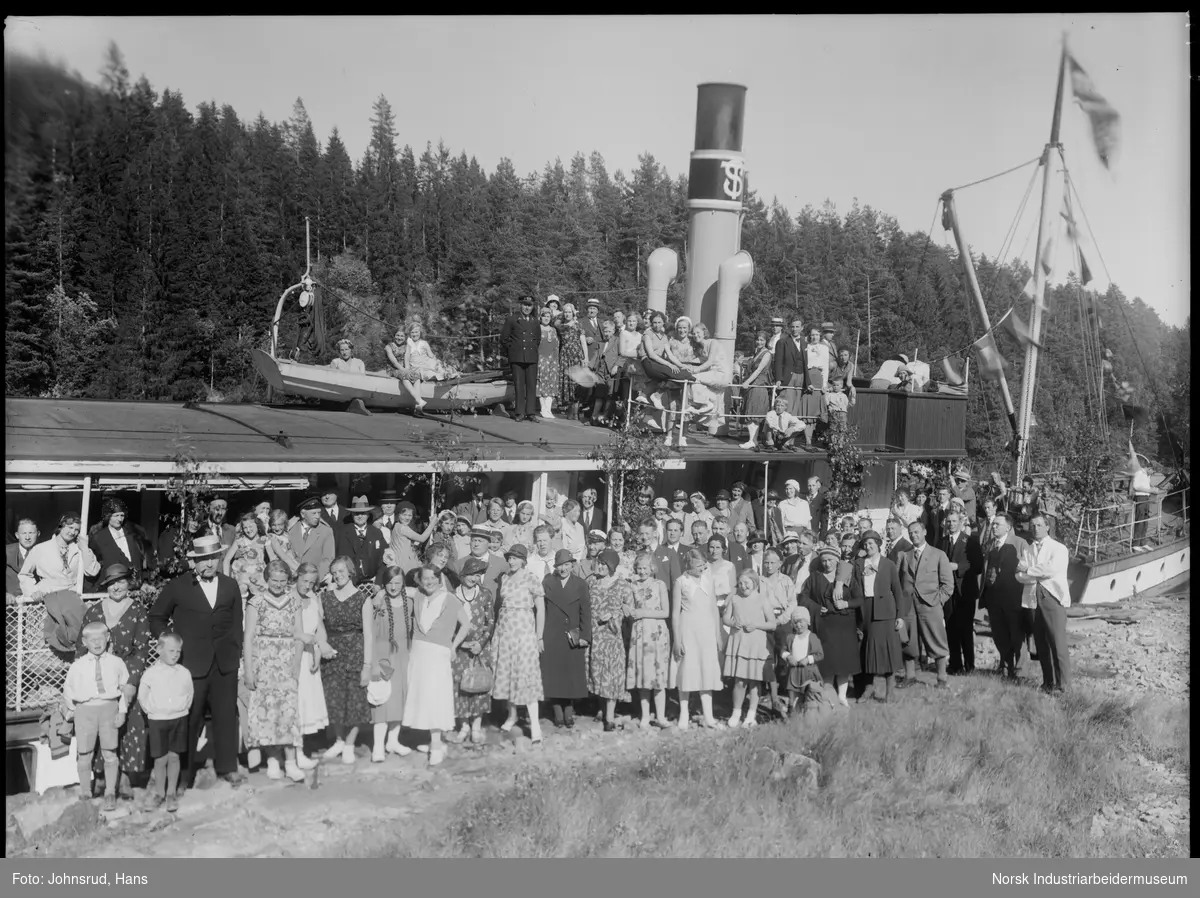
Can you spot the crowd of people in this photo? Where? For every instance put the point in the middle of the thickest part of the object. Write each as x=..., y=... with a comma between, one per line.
x=291, y=634
x=601, y=369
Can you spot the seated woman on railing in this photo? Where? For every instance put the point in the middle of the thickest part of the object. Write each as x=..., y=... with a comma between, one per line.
x=659, y=360
x=345, y=360
x=713, y=375
x=412, y=361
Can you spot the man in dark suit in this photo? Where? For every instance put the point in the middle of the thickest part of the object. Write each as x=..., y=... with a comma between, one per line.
x=363, y=544
x=521, y=336
x=1002, y=593
x=674, y=542
x=16, y=553
x=938, y=519
x=480, y=547
x=929, y=582
x=896, y=550
x=787, y=367
x=218, y=508
x=474, y=509
x=205, y=609
x=591, y=517
x=897, y=543
x=386, y=519
x=331, y=512
x=735, y=548
x=960, y=610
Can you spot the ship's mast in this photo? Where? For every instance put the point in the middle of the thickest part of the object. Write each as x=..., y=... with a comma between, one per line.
x=1052, y=165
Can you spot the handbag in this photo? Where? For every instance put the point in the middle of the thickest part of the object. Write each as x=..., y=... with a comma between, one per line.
x=476, y=679
x=574, y=637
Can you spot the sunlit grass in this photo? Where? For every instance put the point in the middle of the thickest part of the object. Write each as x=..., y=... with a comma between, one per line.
x=993, y=770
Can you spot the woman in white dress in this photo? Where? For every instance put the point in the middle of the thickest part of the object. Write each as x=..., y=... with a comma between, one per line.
x=696, y=658
x=312, y=647
x=441, y=624
x=794, y=509
x=713, y=375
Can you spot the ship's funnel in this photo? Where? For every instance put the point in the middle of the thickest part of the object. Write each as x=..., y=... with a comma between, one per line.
x=716, y=185
x=663, y=269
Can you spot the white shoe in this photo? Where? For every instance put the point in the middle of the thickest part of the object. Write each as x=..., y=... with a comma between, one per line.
x=437, y=756
x=735, y=721
x=507, y=726
x=749, y=724
x=304, y=762
x=682, y=441
x=253, y=758
x=294, y=773
x=682, y=724
x=747, y=446
x=423, y=749
x=347, y=754
x=535, y=732
x=378, y=754
x=396, y=748
x=656, y=400
x=334, y=750
x=273, y=771
x=477, y=737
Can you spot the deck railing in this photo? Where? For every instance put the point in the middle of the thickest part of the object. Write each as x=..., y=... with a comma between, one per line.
x=35, y=672
x=1107, y=532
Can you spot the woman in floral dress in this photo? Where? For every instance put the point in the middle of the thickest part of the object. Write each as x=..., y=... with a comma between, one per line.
x=123, y=612
x=518, y=641
x=650, y=643
x=610, y=595
x=246, y=559
x=572, y=353
x=344, y=676
x=549, y=369
x=273, y=624
x=472, y=707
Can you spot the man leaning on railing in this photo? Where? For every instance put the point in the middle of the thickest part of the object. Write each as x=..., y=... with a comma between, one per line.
x=1142, y=493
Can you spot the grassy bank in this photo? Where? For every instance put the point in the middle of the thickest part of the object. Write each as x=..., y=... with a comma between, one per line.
x=993, y=770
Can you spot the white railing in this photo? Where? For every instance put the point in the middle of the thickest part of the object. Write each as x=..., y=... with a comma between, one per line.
x=1107, y=532
x=34, y=672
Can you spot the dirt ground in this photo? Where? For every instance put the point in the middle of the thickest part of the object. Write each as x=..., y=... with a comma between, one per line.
x=1133, y=649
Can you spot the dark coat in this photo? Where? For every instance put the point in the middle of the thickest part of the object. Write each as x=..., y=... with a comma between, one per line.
x=739, y=556
x=476, y=514
x=496, y=568
x=107, y=552
x=900, y=548
x=1000, y=586
x=568, y=606
x=958, y=552
x=597, y=522
x=365, y=553
x=776, y=519
x=668, y=566
x=591, y=333
x=208, y=633
x=788, y=360
x=887, y=601
x=521, y=337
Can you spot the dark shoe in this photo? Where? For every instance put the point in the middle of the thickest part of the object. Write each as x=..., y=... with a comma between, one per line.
x=558, y=724
x=882, y=699
x=942, y=684
x=867, y=694
x=418, y=413
x=533, y=419
x=570, y=722
x=609, y=727
x=905, y=683
x=234, y=779
x=954, y=671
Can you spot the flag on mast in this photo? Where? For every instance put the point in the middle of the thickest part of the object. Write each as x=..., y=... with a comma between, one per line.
x=1105, y=121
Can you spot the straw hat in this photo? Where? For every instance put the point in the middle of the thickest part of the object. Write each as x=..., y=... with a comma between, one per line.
x=205, y=547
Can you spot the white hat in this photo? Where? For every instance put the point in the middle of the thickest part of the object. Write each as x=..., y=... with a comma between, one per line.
x=205, y=546
x=378, y=692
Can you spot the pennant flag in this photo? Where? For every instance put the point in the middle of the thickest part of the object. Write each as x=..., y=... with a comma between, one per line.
x=954, y=375
x=992, y=364
x=1105, y=121
x=1085, y=273
x=1020, y=330
x=1137, y=414
x=1047, y=255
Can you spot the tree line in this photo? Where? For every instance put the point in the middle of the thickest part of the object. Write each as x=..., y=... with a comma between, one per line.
x=147, y=245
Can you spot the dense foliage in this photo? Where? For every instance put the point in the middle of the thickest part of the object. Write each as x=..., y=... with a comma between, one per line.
x=147, y=244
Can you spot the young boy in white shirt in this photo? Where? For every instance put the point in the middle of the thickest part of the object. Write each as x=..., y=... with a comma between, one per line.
x=781, y=427
x=165, y=695
x=93, y=689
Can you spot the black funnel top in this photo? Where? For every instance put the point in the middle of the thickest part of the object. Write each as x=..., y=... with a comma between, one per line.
x=720, y=113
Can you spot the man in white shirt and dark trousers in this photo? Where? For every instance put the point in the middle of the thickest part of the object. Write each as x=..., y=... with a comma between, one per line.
x=1044, y=567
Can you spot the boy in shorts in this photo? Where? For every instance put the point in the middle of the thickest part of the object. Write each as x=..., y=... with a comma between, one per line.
x=165, y=694
x=93, y=690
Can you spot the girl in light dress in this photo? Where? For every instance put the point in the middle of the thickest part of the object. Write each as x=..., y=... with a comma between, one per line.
x=387, y=633
x=405, y=540
x=520, y=531
x=696, y=625
x=713, y=375
x=278, y=547
x=311, y=646
x=247, y=557
x=747, y=657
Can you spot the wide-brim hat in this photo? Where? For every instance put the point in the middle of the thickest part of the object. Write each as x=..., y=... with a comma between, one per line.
x=473, y=565
x=593, y=302
x=961, y=473
x=389, y=496
x=518, y=551
x=112, y=574
x=205, y=547
x=778, y=321
x=360, y=505
x=680, y=494
x=661, y=503
x=871, y=534
x=828, y=328
x=562, y=556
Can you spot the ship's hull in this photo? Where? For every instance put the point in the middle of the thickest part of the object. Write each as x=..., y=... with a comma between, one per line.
x=382, y=390
x=1120, y=578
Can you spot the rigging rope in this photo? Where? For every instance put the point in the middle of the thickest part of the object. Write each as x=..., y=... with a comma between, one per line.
x=1120, y=306
x=1000, y=175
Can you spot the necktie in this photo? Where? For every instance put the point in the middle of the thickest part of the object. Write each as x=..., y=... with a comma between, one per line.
x=361, y=532
x=66, y=554
x=99, y=677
